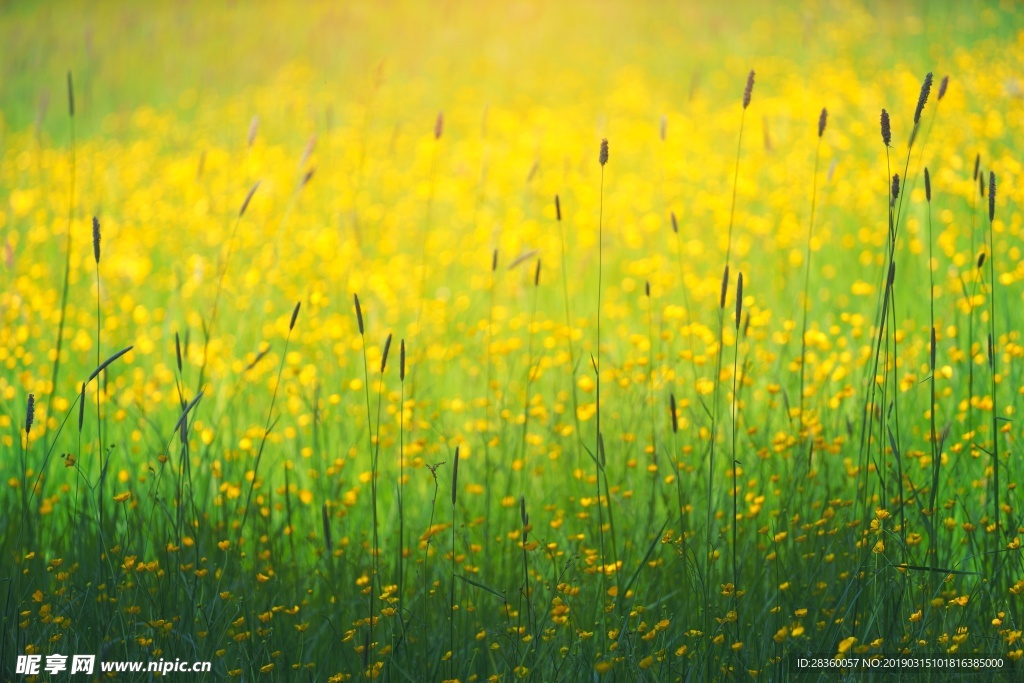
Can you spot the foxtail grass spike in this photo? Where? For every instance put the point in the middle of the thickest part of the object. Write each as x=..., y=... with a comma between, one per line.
x=675, y=223
x=384, y=354
x=991, y=195
x=822, y=121
x=71, y=96
x=886, y=129
x=647, y=288
x=977, y=165
x=981, y=260
x=523, y=516
x=327, y=526
x=943, y=84
x=672, y=411
x=536, y=275
x=603, y=156
x=96, y=239
x=981, y=185
x=922, y=98
x=254, y=127
x=895, y=186
x=927, y=185
x=81, y=409
x=439, y=125
x=725, y=287
x=494, y=260
x=30, y=412
x=177, y=350
x=749, y=89
x=359, y=313
x=295, y=314
x=104, y=364
x=455, y=476
x=558, y=209
x=739, y=300
x=248, y=198
x=933, y=349
x=401, y=362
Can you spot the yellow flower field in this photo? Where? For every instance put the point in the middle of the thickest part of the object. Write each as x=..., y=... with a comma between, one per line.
x=541, y=341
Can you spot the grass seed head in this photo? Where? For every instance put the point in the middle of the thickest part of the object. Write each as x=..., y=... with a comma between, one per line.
x=672, y=412
x=81, y=409
x=177, y=350
x=494, y=260
x=927, y=185
x=922, y=98
x=895, y=186
x=558, y=209
x=401, y=362
x=748, y=90
x=603, y=156
x=739, y=300
x=439, y=125
x=675, y=223
x=536, y=275
x=943, y=84
x=30, y=412
x=981, y=260
x=248, y=198
x=71, y=96
x=886, y=129
x=384, y=354
x=725, y=287
x=455, y=476
x=359, y=313
x=295, y=314
x=96, y=239
x=977, y=165
x=822, y=120
x=327, y=526
x=254, y=127
x=991, y=196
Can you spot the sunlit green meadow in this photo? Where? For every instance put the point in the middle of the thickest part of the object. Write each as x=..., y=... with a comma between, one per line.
x=423, y=383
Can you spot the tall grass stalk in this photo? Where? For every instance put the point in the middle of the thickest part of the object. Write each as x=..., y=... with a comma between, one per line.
x=55, y=375
x=747, y=92
x=594, y=359
x=993, y=348
x=822, y=121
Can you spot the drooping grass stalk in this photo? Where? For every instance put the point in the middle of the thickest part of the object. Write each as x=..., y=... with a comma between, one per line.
x=747, y=92
x=451, y=602
x=822, y=120
x=55, y=376
x=992, y=344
